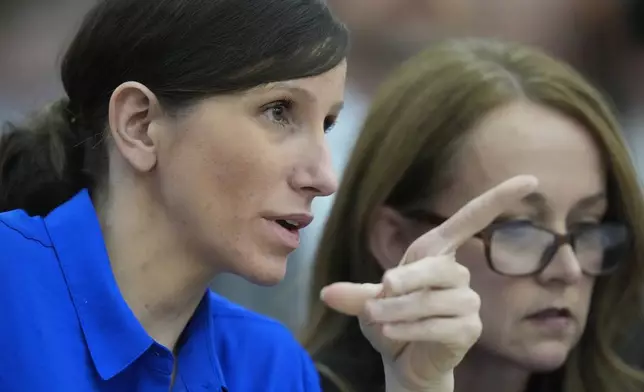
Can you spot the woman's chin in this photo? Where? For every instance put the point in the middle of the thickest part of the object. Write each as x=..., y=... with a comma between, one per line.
x=267, y=271
x=267, y=281
x=545, y=357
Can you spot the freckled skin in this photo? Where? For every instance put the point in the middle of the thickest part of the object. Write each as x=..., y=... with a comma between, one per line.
x=235, y=160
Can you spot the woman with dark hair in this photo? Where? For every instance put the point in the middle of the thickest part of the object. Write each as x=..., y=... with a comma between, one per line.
x=191, y=143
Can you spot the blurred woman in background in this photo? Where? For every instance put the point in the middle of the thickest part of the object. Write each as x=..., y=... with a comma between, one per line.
x=559, y=274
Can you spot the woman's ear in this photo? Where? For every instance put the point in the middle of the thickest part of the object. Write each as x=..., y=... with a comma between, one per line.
x=133, y=110
x=390, y=236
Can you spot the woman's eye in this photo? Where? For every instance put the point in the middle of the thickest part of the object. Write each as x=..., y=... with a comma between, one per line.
x=278, y=112
x=329, y=123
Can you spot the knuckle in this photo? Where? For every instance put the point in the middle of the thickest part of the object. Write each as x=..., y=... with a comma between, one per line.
x=471, y=329
x=463, y=274
x=472, y=301
x=461, y=341
x=466, y=333
x=390, y=282
x=415, y=251
x=389, y=331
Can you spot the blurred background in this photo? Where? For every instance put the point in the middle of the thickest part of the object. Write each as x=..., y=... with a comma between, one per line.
x=602, y=38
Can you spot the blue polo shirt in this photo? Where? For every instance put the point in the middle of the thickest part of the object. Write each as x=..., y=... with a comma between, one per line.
x=65, y=326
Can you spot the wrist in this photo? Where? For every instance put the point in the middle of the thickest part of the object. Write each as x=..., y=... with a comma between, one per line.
x=442, y=383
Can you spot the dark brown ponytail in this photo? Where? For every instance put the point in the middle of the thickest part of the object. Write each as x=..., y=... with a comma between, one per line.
x=41, y=161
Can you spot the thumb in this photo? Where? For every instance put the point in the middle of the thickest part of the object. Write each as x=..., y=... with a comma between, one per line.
x=349, y=298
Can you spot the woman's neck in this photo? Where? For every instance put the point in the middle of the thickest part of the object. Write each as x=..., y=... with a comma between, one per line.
x=158, y=277
x=481, y=371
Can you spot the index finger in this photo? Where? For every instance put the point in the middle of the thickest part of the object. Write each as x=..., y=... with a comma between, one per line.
x=473, y=217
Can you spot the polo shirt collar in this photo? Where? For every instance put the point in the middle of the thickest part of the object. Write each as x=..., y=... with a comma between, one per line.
x=114, y=336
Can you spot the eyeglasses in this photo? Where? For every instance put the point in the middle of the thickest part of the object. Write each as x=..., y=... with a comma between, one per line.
x=521, y=248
